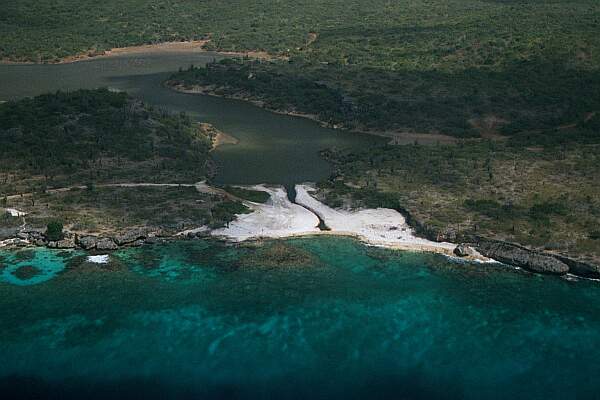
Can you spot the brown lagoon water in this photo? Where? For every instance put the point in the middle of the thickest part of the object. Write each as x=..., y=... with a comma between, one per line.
x=273, y=148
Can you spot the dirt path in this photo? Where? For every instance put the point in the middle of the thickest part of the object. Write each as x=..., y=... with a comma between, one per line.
x=201, y=187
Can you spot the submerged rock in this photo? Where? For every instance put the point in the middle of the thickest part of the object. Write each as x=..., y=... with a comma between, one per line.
x=279, y=255
x=513, y=254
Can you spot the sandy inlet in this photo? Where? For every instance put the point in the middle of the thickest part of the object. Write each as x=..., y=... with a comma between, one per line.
x=279, y=218
x=276, y=218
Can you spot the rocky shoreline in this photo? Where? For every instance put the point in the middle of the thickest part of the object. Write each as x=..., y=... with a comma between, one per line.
x=503, y=252
x=506, y=252
x=134, y=237
x=478, y=248
x=536, y=261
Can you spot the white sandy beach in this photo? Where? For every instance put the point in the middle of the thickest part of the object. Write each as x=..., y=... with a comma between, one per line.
x=380, y=226
x=277, y=218
x=280, y=218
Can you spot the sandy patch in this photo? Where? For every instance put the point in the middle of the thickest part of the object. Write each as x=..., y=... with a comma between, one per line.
x=15, y=213
x=280, y=218
x=193, y=231
x=381, y=226
x=191, y=46
x=276, y=218
x=217, y=137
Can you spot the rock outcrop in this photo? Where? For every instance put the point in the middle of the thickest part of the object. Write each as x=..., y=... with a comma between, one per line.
x=8, y=233
x=463, y=250
x=519, y=256
x=106, y=244
x=581, y=268
x=130, y=236
x=67, y=243
x=87, y=242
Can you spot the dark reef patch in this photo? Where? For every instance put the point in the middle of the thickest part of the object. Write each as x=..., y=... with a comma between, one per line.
x=26, y=272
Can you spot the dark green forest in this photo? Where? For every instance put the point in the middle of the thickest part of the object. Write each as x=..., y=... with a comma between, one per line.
x=466, y=68
x=97, y=135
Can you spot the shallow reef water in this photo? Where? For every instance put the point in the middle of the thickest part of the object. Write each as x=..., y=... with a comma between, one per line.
x=320, y=318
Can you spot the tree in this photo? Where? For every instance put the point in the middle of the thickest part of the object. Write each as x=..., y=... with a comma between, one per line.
x=54, y=231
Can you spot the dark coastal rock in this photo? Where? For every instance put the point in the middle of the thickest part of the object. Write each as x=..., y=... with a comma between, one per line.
x=23, y=235
x=152, y=240
x=106, y=244
x=130, y=236
x=21, y=243
x=8, y=233
x=581, y=268
x=87, y=242
x=519, y=256
x=463, y=250
x=67, y=243
x=34, y=235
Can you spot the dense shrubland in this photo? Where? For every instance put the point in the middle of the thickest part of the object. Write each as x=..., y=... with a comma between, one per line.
x=541, y=190
x=96, y=136
x=448, y=66
x=89, y=138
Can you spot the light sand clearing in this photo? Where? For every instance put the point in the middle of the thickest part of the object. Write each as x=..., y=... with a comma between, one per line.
x=15, y=213
x=381, y=226
x=277, y=218
x=224, y=138
x=280, y=218
x=194, y=231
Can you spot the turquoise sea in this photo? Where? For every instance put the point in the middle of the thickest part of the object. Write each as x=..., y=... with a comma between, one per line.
x=294, y=319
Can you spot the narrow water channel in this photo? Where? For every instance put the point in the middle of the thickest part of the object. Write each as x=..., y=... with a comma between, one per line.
x=272, y=148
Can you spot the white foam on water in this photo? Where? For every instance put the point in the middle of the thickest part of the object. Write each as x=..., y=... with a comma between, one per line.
x=100, y=259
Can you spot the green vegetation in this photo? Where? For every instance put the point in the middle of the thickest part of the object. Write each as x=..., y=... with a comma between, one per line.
x=277, y=91
x=257, y=196
x=54, y=230
x=106, y=209
x=461, y=67
x=522, y=75
x=539, y=193
x=224, y=212
x=95, y=136
x=88, y=139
